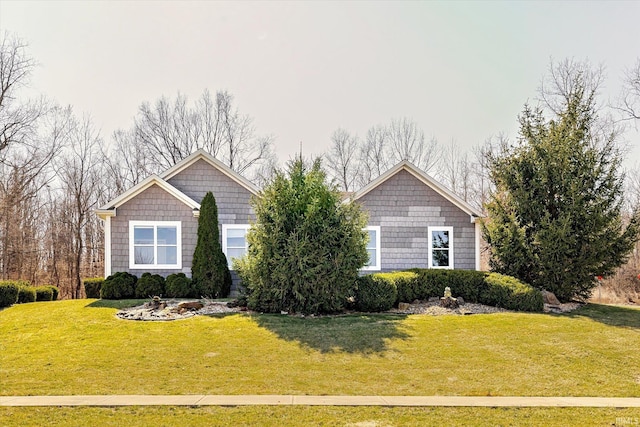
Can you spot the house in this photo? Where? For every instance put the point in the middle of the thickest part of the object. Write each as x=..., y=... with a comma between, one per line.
x=413, y=220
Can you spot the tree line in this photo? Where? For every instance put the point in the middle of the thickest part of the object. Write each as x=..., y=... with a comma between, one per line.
x=56, y=167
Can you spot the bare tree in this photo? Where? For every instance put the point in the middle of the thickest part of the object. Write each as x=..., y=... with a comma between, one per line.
x=342, y=161
x=125, y=162
x=456, y=171
x=79, y=170
x=374, y=160
x=29, y=140
x=383, y=147
x=629, y=100
x=168, y=131
x=17, y=119
x=559, y=84
x=407, y=142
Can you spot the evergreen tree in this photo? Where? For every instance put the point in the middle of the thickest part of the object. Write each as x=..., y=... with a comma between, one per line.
x=209, y=270
x=306, y=246
x=555, y=219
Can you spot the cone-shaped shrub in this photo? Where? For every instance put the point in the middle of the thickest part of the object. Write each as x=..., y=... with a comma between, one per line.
x=210, y=271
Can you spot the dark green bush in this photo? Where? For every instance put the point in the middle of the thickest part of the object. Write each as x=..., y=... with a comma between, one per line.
x=55, y=292
x=405, y=282
x=44, y=293
x=120, y=285
x=8, y=293
x=209, y=269
x=26, y=294
x=375, y=293
x=92, y=286
x=180, y=286
x=467, y=284
x=510, y=293
x=150, y=285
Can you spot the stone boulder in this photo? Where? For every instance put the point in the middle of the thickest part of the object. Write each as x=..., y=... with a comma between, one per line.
x=550, y=298
x=190, y=305
x=449, y=302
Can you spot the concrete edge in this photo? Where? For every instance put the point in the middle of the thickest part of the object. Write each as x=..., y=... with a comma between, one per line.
x=303, y=400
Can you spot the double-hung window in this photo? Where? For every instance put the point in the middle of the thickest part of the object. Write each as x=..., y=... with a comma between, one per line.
x=155, y=244
x=373, y=248
x=440, y=247
x=234, y=241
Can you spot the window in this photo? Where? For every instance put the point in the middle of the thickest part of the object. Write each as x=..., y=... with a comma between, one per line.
x=373, y=248
x=234, y=242
x=155, y=244
x=440, y=247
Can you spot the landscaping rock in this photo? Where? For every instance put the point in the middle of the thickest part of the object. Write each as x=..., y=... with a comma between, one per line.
x=403, y=306
x=170, y=310
x=550, y=298
x=460, y=301
x=449, y=302
x=190, y=305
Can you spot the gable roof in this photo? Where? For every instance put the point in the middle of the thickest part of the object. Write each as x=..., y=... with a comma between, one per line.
x=203, y=155
x=110, y=207
x=424, y=178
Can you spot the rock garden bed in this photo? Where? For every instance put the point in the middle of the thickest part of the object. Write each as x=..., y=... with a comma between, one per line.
x=157, y=310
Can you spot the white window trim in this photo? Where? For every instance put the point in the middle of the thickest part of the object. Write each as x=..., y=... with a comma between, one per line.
x=155, y=224
x=225, y=228
x=430, y=230
x=376, y=266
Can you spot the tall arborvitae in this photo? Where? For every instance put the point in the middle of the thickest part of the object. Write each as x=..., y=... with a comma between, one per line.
x=555, y=220
x=210, y=270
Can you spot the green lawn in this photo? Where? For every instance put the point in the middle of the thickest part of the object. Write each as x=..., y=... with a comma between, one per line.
x=80, y=347
x=278, y=416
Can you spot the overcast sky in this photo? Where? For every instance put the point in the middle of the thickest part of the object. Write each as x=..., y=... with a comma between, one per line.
x=461, y=70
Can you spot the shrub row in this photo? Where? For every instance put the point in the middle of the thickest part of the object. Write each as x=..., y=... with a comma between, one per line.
x=374, y=291
x=19, y=291
x=124, y=285
x=92, y=286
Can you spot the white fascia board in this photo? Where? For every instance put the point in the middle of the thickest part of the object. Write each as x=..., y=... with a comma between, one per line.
x=105, y=213
x=203, y=155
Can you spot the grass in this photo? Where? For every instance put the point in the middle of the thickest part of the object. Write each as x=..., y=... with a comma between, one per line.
x=317, y=416
x=80, y=347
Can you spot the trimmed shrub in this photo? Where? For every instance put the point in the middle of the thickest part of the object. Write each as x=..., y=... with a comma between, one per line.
x=55, y=292
x=8, y=293
x=375, y=292
x=178, y=285
x=405, y=282
x=150, y=285
x=44, y=293
x=209, y=270
x=510, y=293
x=120, y=285
x=92, y=286
x=26, y=294
x=467, y=284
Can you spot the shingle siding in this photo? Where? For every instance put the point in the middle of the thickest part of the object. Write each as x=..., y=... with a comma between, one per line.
x=153, y=204
x=404, y=207
x=232, y=198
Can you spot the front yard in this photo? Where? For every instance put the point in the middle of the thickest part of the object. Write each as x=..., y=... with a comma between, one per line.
x=80, y=347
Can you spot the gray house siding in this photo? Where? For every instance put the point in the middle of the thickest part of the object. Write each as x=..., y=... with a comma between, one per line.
x=232, y=198
x=404, y=207
x=153, y=204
